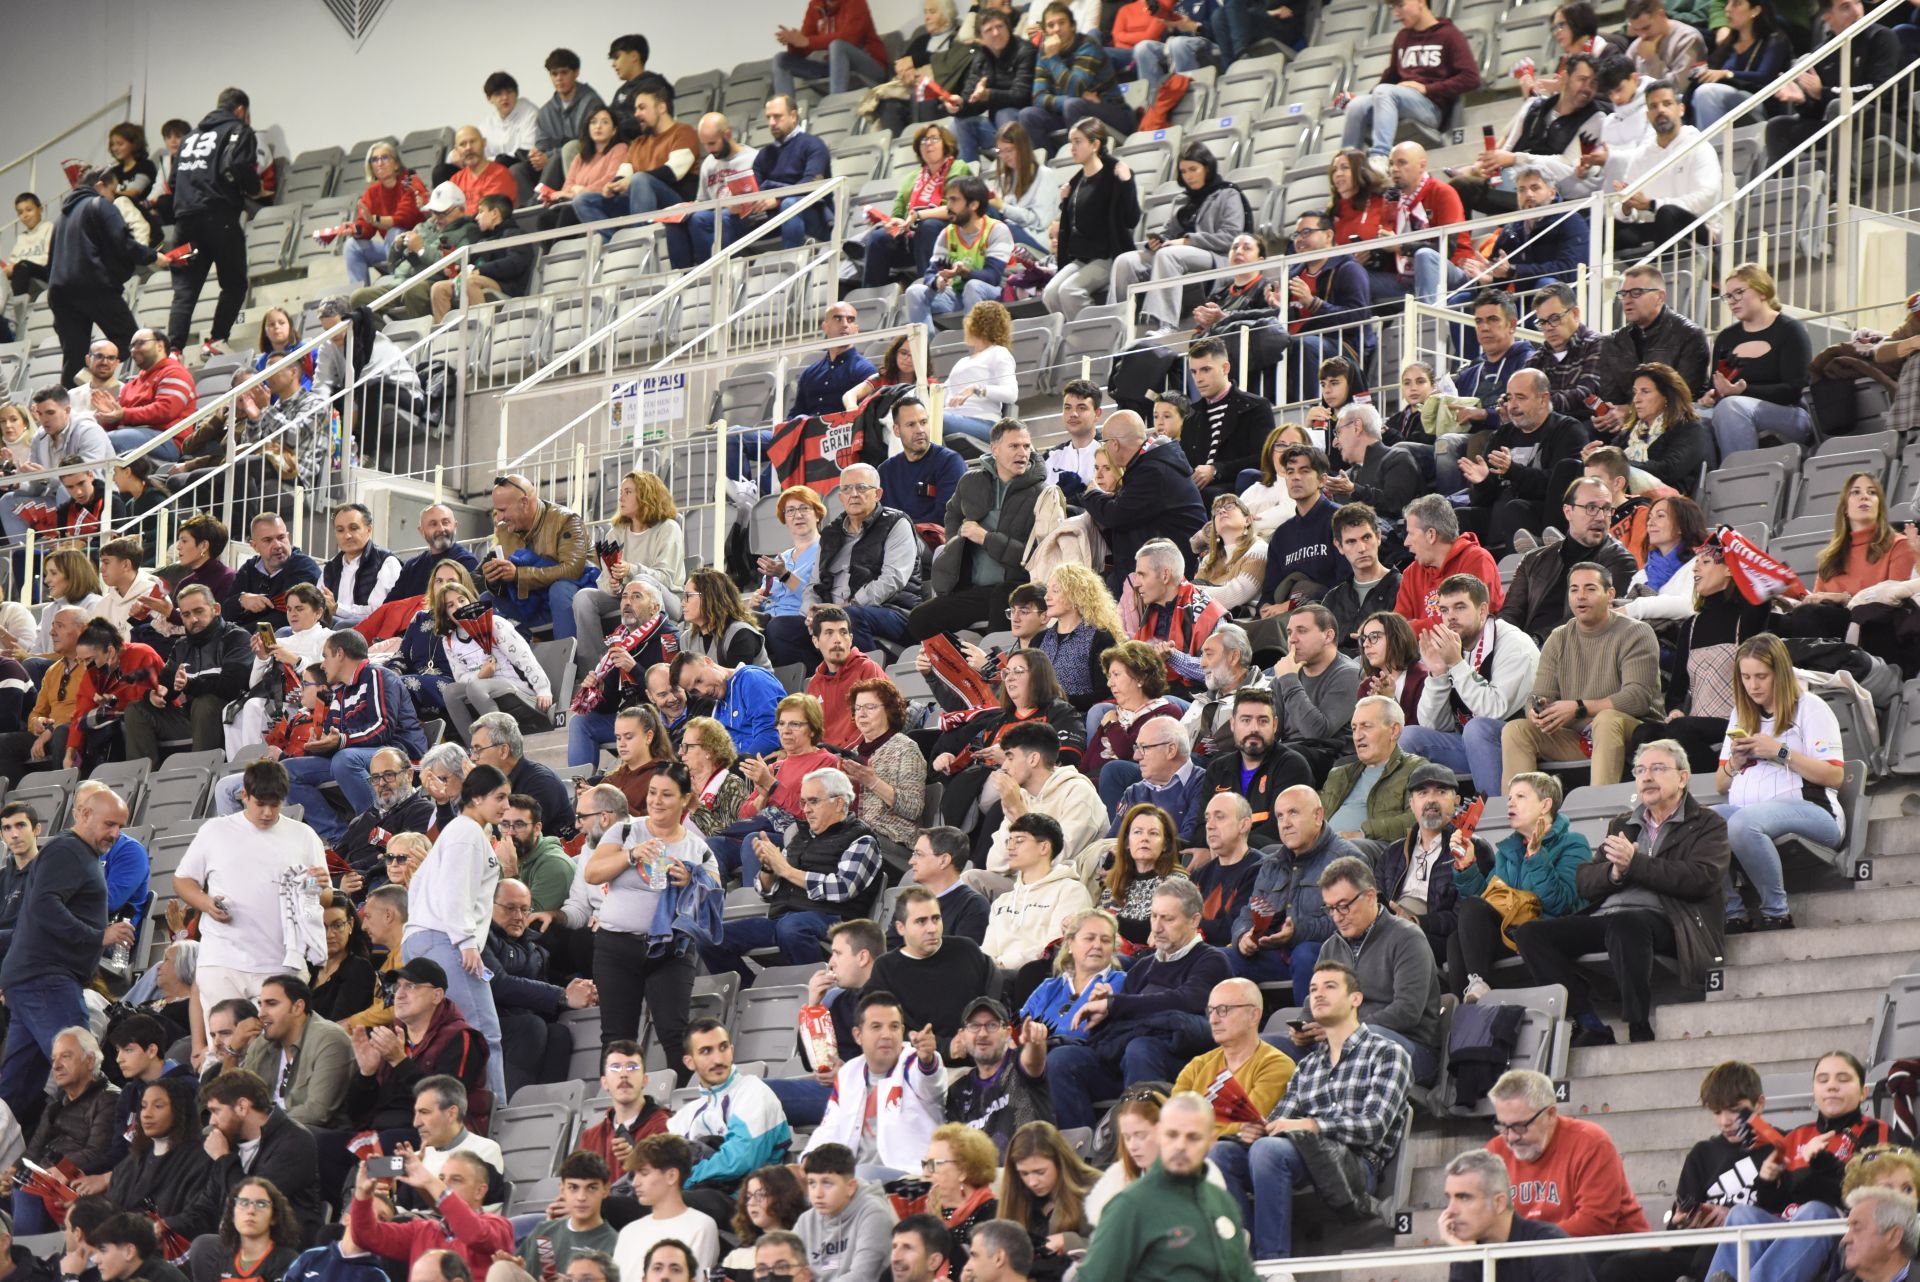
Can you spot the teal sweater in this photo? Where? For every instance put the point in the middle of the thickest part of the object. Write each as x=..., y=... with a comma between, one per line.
x=1549, y=874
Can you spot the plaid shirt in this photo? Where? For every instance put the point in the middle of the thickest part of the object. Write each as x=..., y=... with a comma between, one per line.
x=1361, y=1101
x=1576, y=377
x=859, y=865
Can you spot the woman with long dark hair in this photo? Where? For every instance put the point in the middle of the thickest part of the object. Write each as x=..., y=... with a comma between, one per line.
x=1357, y=199
x=346, y=983
x=1196, y=236
x=1663, y=587
x=715, y=624
x=166, y=1164
x=596, y=164
x=968, y=755
x=1664, y=436
x=1752, y=57
x=1098, y=212
x=1865, y=550
x=1045, y=1191
x=771, y=1199
x=1146, y=855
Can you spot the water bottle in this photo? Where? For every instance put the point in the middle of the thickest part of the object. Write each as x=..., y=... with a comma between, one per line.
x=118, y=959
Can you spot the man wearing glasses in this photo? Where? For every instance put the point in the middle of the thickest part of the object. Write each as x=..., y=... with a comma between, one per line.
x=1598, y=676
x=1322, y=292
x=398, y=806
x=780, y=1255
x=1242, y=1070
x=1394, y=962
x=1564, y=1171
x=1654, y=883
x=1569, y=352
x=1654, y=334
x=1537, y=599
x=1527, y=461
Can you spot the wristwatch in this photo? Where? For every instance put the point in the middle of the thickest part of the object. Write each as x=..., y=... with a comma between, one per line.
x=1582, y=705
x=1784, y=755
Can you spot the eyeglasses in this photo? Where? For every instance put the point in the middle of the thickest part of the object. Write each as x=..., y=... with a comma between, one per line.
x=378, y=776
x=1222, y=1011
x=1735, y=295
x=395, y=859
x=808, y=803
x=623, y=1070
x=1368, y=638
x=780, y=1270
x=252, y=1204
x=1648, y=772
x=1517, y=1128
x=861, y=489
x=516, y=910
x=1345, y=906
x=1591, y=509
x=479, y=748
x=516, y=825
x=1148, y=747
x=1554, y=319
x=932, y=1164
x=759, y=1195
x=1639, y=291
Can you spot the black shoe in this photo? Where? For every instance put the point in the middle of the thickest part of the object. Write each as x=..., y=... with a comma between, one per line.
x=1640, y=1031
x=1783, y=922
x=1739, y=926
x=1601, y=1036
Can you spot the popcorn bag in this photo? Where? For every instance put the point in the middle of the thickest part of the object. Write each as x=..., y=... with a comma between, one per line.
x=817, y=1043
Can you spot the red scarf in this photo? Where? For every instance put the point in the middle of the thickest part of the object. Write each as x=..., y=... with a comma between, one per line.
x=930, y=186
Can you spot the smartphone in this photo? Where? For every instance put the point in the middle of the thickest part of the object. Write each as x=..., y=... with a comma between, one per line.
x=1737, y=732
x=1540, y=702
x=386, y=1167
x=266, y=634
x=1297, y=1025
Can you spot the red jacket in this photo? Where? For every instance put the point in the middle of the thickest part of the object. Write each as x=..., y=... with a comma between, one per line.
x=598, y=1138
x=848, y=20
x=1578, y=1183
x=474, y=1235
x=832, y=692
x=159, y=397
x=1417, y=582
x=115, y=689
x=405, y=202
x=494, y=180
x=1133, y=24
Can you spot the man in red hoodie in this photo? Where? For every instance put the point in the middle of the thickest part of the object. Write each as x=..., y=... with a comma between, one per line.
x=1564, y=1170
x=1439, y=552
x=151, y=403
x=457, y=1193
x=1431, y=66
x=842, y=666
x=842, y=30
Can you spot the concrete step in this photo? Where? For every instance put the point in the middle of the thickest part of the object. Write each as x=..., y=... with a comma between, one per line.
x=1822, y=908
x=1817, y=943
x=1606, y=1068
x=1889, y=869
x=1837, y=975
x=1758, y=1014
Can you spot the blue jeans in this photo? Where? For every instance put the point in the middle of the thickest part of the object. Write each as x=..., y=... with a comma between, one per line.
x=802, y=1099
x=1042, y=123
x=976, y=134
x=40, y=1009
x=559, y=601
x=793, y=232
x=1115, y=778
x=1263, y=1178
x=471, y=993
x=1154, y=59
x=800, y=937
x=1374, y=118
x=587, y=733
x=924, y=302
x=1783, y=1259
x=1710, y=102
x=1750, y=832
x=1738, y=421
x=127, y=439
x=980, y=429
x=30, y=1215
x=348, y=768
x=747, y=454
x=844, y=66
x=1384, y=286
x=1476, y=750
x=362, y=256
x=1429, y=278
x=1083, y=1074
x=1293, y=964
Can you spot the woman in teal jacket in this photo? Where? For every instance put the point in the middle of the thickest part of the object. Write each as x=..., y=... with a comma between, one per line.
x=1540, y=857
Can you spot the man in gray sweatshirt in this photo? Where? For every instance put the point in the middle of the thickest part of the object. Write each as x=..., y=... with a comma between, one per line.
x=849, y=1229
x=1314, y=684
x=1393, y=960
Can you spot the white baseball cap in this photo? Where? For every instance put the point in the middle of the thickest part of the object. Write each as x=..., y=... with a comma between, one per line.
x=446, y=197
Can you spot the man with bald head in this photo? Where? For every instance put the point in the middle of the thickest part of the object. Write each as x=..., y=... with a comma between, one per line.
x=869, y=566
x=1425, y=201
x=1279, y=930
x=1255, y=1069
x=543, y=557
x=1529, y=460
x=1157, y=499
x=725, y=167
x=439, y=535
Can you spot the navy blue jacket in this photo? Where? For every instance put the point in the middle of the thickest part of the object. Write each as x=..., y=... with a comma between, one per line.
x=413, y=574
x=800, y=159
x=1341, y=286
x=92, y=251
x=64, y=913
x=300, y=568
x=517, y=965
x=1158, y=501
x=374, y=710
x=1304, y=545
x=1559, y=246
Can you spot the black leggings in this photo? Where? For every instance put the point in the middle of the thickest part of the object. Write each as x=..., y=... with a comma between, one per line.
x=219, y=245
x=1475, y=944
x=629, y=978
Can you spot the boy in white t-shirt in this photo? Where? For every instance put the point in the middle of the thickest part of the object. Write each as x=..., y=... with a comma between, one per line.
x=660, y=1165
x=1778, y=783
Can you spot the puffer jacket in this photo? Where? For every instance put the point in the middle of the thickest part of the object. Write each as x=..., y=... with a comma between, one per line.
x=1549, y=872
x=972, y=501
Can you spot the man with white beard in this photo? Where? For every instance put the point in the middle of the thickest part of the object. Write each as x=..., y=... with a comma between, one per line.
x=1227, y=657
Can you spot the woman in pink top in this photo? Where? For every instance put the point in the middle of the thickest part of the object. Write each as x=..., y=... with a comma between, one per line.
x=1865, y=551
x=595, y=165
x=775, y=779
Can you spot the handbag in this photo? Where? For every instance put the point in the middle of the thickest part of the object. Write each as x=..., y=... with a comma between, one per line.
x=1516, y=907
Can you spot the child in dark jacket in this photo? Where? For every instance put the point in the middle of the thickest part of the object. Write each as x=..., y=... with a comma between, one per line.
x=506, y=271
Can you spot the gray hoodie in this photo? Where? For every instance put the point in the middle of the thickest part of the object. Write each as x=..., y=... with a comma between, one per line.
x=854, y=1244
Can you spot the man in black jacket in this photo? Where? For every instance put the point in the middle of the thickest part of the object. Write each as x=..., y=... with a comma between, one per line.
x=996, y=86
x=1262, y=769
x=1157, y=500
x=439, y=535
x=1537, y=598
x=1480, y=1210
x=359, y=577
x=1877, y=58
x=210, y=667
x=1530, y=457
x=534, y=1045
x=1227, y=425
x=398, y=806
x=216, y=171
x=248, y=1137
x=1322, y=293
x=1371, y=587
x=92, y=256
x=1654, y=332
x=56, y=948
x=989, y=520
x=1384, y=477
x=1544, y=129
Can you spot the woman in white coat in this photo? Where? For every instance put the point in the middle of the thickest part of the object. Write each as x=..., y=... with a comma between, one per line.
x=276, y=671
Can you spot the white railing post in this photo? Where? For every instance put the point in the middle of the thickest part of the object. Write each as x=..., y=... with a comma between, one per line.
x=1842, y=193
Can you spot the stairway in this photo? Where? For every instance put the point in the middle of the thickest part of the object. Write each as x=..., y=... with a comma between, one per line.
x=1786, y=998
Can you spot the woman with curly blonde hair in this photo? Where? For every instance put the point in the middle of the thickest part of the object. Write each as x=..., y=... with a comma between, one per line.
x=982, y=385
x=646, y=539
x=1082, y=622
x=1235, y=564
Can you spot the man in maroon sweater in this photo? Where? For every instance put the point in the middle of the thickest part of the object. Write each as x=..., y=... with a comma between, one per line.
x=1431, y=65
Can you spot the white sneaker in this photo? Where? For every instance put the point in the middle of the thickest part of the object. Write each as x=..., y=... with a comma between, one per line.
x=1476, y=989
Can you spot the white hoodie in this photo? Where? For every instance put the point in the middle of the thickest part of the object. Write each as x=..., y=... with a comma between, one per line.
x=1515, y=656
x=1070, y=800
x=1022, y=922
